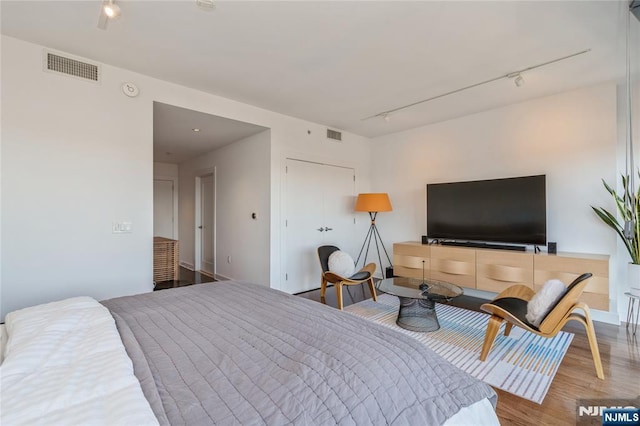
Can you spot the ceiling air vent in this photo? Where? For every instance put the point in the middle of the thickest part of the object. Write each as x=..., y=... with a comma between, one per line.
x=334, y=134
x=72, y=67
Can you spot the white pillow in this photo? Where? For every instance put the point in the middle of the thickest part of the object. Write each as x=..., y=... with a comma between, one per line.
x=341, y=263
x=542, y=301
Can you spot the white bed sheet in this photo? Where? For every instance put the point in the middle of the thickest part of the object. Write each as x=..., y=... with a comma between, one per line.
x=65, y=364
x=3, y=341
x=480, y=413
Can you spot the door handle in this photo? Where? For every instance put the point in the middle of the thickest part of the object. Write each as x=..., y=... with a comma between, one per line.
x=326, y=228
x=320, y=229
x=200, y=227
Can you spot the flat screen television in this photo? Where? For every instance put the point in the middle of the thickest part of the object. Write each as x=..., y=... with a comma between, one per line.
x=512, y=210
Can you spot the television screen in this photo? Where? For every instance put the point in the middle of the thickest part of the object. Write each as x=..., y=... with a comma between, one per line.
x=512, y=210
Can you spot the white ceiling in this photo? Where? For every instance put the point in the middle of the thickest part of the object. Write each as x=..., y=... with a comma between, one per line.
x=336, y=63
x=175, y=141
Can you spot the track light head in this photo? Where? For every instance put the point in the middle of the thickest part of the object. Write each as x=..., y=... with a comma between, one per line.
x=111, y=9
x=519, y=80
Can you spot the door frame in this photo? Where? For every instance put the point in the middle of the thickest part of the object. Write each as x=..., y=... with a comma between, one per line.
x=199, y=174
x=174, y=180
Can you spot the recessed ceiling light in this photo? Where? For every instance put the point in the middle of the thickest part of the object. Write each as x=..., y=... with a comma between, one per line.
x=207, y=5
x=196, y=130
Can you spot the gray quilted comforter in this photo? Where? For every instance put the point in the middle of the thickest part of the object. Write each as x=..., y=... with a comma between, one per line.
x=237, y=353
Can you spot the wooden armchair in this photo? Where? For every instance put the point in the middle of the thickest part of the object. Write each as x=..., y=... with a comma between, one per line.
x=511, y=306
x=363, y=275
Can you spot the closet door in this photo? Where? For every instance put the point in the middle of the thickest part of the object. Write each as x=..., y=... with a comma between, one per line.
x=304, y=225
x=339, y=201
x=319, y=211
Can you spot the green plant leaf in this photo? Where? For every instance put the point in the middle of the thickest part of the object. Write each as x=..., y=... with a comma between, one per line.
x=628, y=207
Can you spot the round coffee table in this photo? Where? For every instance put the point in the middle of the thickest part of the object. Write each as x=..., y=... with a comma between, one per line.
x=418, y=300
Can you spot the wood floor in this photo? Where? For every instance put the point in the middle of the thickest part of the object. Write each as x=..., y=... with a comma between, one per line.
x=576, y=377
x=185, y=277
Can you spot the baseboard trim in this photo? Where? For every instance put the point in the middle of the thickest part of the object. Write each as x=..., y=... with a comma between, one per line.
x=187, y=265
x=208, y=274
x=222, y=277
x=605, y=317
x=329, y=285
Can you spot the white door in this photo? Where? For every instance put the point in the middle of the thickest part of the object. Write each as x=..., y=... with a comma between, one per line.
x=339, y=201
x=319, y=211
x=304, y=225
x=206, y=227
x=163, y=208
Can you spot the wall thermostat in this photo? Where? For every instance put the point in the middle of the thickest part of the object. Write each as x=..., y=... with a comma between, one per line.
x=130, y=90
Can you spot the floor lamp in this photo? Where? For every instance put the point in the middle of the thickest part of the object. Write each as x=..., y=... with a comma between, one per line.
x=373, y=203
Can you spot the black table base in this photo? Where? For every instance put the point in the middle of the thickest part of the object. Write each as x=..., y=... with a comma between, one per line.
x=417, y=314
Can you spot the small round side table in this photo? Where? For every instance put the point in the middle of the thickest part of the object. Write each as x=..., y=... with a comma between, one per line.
x=631, y=321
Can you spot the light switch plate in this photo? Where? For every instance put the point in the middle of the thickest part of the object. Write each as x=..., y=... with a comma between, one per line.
x=121, y=227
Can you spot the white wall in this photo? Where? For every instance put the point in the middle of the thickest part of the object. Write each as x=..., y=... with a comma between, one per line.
x=242, y=186
x=77, y=156
x=571, y=137
x=165, y=170
x=1, y=181
x=168, y=171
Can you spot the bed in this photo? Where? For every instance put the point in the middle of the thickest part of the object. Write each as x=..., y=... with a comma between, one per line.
x=224, y=353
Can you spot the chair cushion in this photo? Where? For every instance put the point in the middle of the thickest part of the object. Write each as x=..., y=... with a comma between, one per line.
x=323, y=253
x=340, y=263
x=516, y=307
x=542, y=302
x=360, y=276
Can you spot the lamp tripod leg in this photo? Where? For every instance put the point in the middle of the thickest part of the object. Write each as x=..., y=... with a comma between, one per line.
x=375, y=237
x=367, y=243
x=383, y=247
x=374, y=234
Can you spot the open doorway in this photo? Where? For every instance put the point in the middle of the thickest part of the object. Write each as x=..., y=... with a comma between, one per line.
x=190, y=148
x=165, y=206
x=205, y=258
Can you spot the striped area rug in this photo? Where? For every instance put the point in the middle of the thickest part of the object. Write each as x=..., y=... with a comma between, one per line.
x=522, y=363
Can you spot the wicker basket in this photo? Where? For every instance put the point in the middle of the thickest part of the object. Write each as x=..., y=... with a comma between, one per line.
x=165, y=259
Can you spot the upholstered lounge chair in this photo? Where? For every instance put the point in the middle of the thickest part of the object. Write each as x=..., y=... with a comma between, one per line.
x=363, y=275
x=511, y=306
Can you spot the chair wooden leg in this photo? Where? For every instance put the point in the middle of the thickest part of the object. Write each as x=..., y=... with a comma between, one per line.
x=593, y=343
x=372, y=289
x=492, y=331
x=507, y=328
x=323, y=288
x=339, y=294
